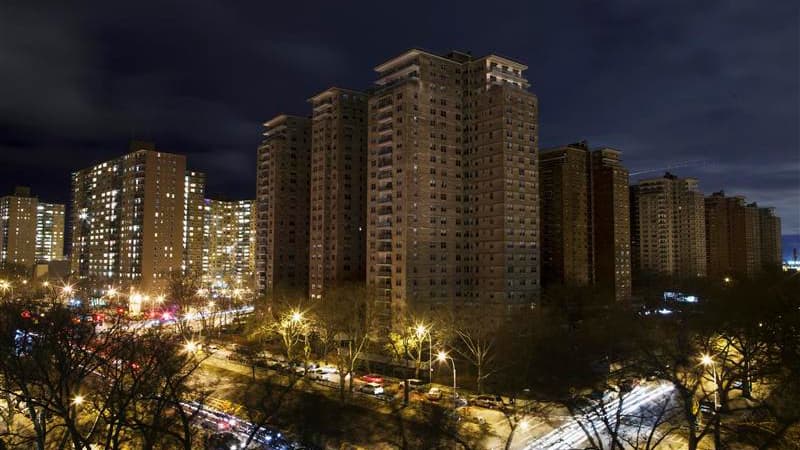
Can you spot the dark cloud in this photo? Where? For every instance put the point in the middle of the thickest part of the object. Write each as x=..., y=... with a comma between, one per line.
x=665, y=82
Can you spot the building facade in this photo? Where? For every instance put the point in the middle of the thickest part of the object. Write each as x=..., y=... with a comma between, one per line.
x=229, y=243
x=18, y=224
x=453, y=210
x=282, y=205
x=127, y=218
x=733, y=235
x=337, y=221
x=194, y=187
x=669, y=227
x=770, y=226
x=564, y=190
x=49, y=232
x=585, y=218
x=611, y=239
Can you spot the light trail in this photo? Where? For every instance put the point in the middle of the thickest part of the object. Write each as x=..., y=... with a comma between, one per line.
x=571, y=435
x=220, y=315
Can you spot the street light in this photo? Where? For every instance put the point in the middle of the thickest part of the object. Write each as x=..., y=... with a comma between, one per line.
x=422, y=330
x=190, y=347
x=78, y=400
x=297, y=316
x=706, y=360
x=443, y=357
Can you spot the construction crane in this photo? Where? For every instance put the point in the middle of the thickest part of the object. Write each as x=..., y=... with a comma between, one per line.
x=693, y=162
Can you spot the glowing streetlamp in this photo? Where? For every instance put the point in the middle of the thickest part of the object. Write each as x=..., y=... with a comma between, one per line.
x=706, y=360
x=727, y=280
x=190, y=347
x=297, y=316
x=78, y=400
x=111, y=292
x=442, y=356
x=421, y=330
x=67, y=289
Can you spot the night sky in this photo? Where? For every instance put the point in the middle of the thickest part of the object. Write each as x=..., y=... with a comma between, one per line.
x=665, y=82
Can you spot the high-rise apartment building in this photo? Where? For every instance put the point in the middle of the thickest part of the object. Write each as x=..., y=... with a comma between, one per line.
x=127, y=218
x=453, y=216
x=282, y=205
x=585, y=218
x=668, y=224
x=611, y=238
x=733, y=236
x=229, y=243
x=770, y=226
x=18, y=219
x=337, y=189
x=49, y=232
x=194, y=213
x=565, y=196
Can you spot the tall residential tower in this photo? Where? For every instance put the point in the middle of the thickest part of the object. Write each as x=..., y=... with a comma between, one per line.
x=585, y=218
x=453, y=212
x=128, y=216
x=282, y=205
x=668, y=226
x=338, y=189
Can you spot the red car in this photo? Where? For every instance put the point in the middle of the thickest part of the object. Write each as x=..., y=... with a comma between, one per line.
x=373, y=378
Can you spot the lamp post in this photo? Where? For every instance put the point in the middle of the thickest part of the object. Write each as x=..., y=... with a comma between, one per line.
x=706, y=360
x=422, y=330
x=443, y=357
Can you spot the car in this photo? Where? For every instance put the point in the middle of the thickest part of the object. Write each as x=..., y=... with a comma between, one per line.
x=372, y=378
x=321, y=373
x=413, y=384
x=434, y=394
x=487, y=401
x=372, y=388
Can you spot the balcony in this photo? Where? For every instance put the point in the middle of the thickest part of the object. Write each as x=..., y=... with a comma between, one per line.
x=384, y=117
x=408, y=71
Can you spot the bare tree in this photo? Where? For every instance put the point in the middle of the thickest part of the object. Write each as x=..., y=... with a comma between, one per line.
x=347, y=315
x=78, y=386
x=476, y=338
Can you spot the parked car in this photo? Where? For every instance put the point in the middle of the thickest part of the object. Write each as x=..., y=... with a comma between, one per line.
x=413, y=385
x=487, y=401
x=434, y=394
x=372, y=388
x=321, y=373
x=372, y=378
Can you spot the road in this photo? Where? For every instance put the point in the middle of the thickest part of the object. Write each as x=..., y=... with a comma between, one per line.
x=570, y=435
